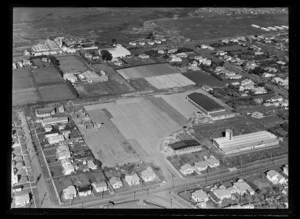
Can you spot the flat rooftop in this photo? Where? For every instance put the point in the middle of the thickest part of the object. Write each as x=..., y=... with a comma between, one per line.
x=239, y=140
x=205, y=102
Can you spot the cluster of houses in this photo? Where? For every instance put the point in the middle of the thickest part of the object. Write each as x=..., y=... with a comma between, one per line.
x=228, y=74
x=218, y=194
x=207, y=47
x=114, y=182
x=144, y=42
x=249, y=85
x=19, y=174
x=224, y=56
x=199, y=166
x=21, y=64
x=277, y=101
x=278, y=179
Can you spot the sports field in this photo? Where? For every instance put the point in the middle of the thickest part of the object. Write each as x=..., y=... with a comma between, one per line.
x=47, y=75
x=71, y=64
x=24, y=97
x=169, y=81
x=202, y=78
x=147, y=71
x=55, y=92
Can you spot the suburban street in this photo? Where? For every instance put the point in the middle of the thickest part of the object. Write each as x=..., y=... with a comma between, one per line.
x=41, y=184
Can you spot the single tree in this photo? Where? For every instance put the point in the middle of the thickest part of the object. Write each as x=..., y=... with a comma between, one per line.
x=106, y=55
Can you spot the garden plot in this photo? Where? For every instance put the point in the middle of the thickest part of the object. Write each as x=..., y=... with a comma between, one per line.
x=181, y=80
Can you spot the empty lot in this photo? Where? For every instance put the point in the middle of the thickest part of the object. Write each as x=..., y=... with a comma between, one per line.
x=169, y=81
x=22, y=79
x=147, y=71
x=55, y=93
x=143, y=123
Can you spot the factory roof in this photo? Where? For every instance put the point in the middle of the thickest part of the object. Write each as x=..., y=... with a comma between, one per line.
x=205, y=102
x=22, y=198
x=239, y=140
x=118, y=51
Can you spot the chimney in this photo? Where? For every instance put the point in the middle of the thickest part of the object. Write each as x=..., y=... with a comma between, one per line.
x=229, y=134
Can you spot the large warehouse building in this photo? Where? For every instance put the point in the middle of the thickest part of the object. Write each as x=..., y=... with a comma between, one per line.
x=186, y=146
x=234, y=144
x=209, y=106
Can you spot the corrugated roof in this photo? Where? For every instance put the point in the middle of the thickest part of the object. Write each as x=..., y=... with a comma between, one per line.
x=205, y=102
x=240, y=140
x=184, y=144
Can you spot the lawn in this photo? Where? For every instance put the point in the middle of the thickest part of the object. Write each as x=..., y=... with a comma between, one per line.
x=147, y=71
x=47, y=75
x=55, y=92
x=202, y=78
x=71, y=64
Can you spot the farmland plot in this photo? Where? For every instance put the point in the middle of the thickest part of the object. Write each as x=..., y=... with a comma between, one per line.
x=21, y=98
x=162, y=82
x=22, y=79
x=202, y=78
x=55, y=92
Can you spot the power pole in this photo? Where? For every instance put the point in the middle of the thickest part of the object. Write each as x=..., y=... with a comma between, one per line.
x=171, y=202
x=147, y=192
x=134, y=195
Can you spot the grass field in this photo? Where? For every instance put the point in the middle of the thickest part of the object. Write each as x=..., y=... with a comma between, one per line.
x=141, y=84
x=55, y=92
x=217, y=26
x=21, y=98
x=134, y=61
x=71, y=64
x=104, y=67
x=202, y=78
x=21, y=79
x=147, y=71
x=47, y=75
x=38, y=62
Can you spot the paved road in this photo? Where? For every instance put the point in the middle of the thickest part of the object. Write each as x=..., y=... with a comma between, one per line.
x=186, y=184
x=36, y=168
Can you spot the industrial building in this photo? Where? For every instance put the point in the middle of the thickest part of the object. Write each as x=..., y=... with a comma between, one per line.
x=49, y=47
x=209, y=107
x=91, y=76
x=55, y=120
x=234, y=144
x=187, y=146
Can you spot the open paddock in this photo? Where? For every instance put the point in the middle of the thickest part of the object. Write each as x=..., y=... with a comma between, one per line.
x=162, y=82
x=21, y=79
x=46, y=75
x=103, y=67
x=147, y=71
x=141, y=84
x=135, y=61
x=71, y=64
x=55, y=92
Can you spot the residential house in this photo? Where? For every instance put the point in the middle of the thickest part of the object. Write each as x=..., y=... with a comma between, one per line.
x=157, y=41
x=100, y=186
x=275, y=177
x=55, y=139
x=160, y=51
x=91, y=165
x=148, y=175
x=88, y=55
x=17, y=188
x=212, y=162
x=22, y=199
x=268, y=75
x=14, y=66
x=20, y=64
x=63, y=155
x=132, y=43
x=71, y=77
x=48, y=128
x=142, y=43
x=150, y=43
x=170, y=51
x=187, y=169
x=61, y=127
x=144, y=56
x=84, y=190
x=116, y=182
x=242, y=187
x=132, y=179
x=176, y=59
x=201, y=165
x=182, y=55
x=118, y=63
x=200, y=196
x=69, y=193
x=45, y=112
x=68, y=167
x=257, y=115
x=222, y=193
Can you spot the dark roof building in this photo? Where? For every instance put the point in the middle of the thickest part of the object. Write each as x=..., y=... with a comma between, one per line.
x=186, y=146
x=204, y=103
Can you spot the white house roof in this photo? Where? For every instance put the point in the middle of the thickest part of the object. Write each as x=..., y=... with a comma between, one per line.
x=132, y=178
x=201, y=164
x=115, y=180
x=100, y=184
x=69, y=191
x=200, y=194
x=148, y=173
x=186, y=167
x=212, y=161
x=242, y=186
x=222, y=192
x=272, y=173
